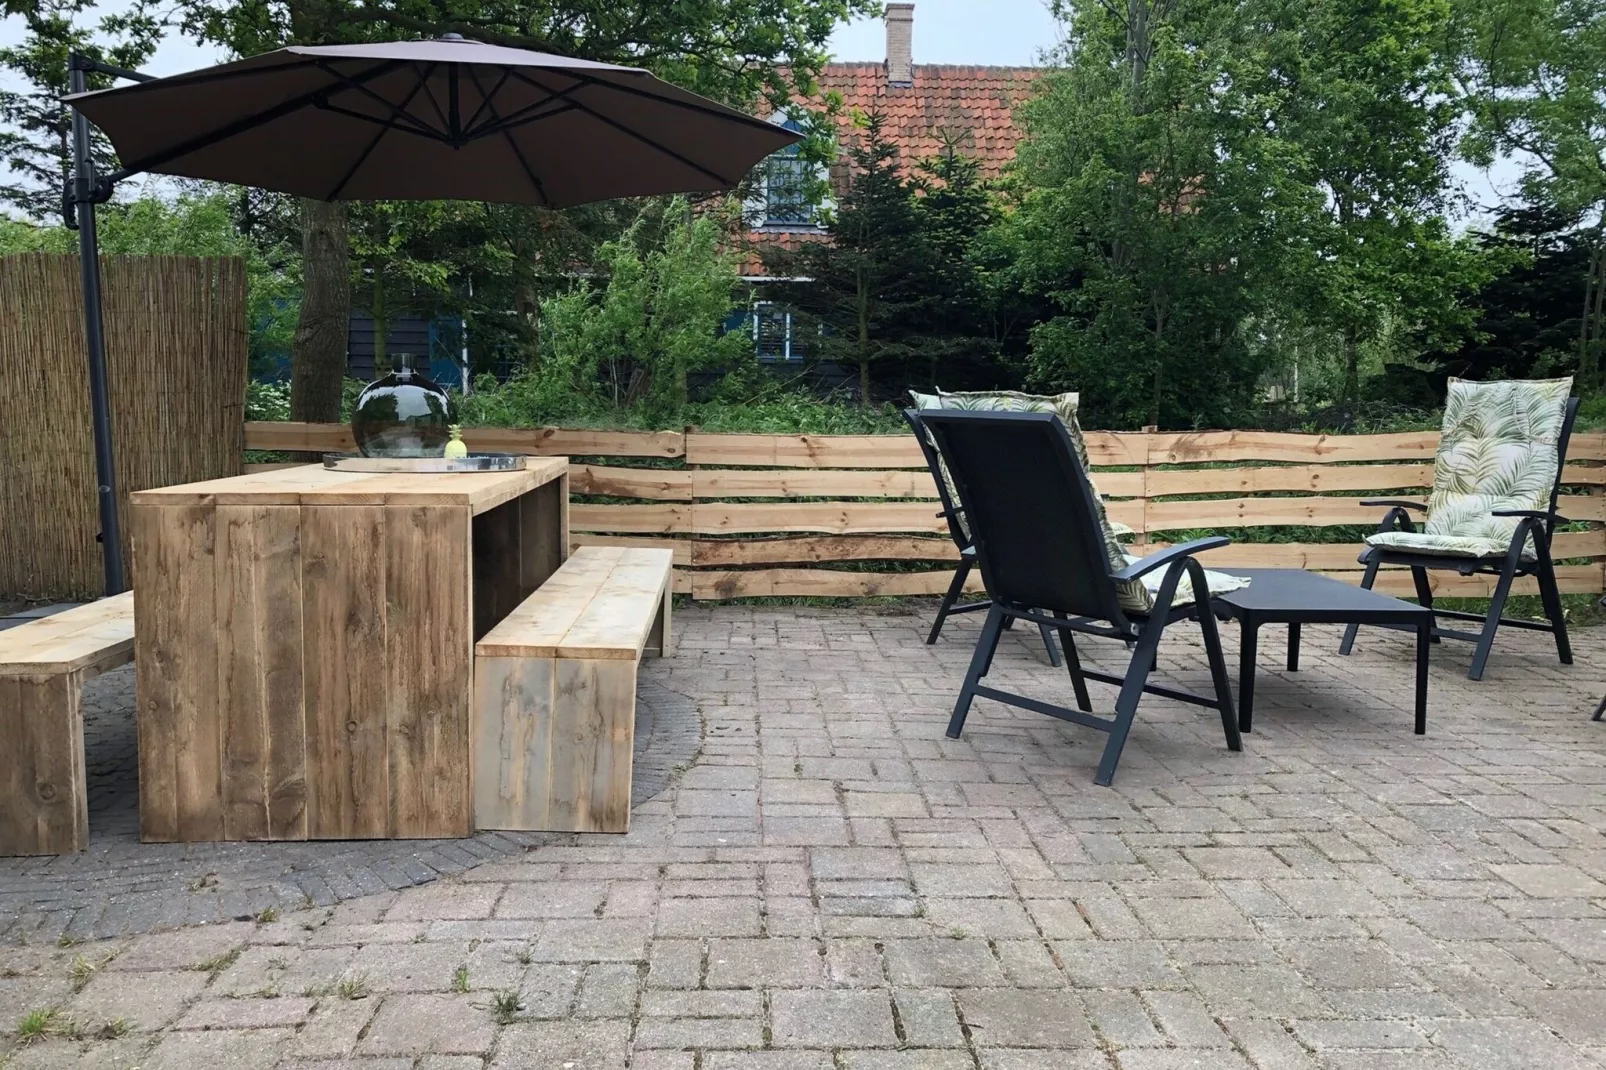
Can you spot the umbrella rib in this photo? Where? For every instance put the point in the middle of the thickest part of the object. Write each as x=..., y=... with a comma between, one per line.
x=513, y=146
x=485, y=97
x=500, y=126
x=430, y=95
x=415, y=128
x=643, y=138
x=421, y=127
x=396, y=111
x=240, y=126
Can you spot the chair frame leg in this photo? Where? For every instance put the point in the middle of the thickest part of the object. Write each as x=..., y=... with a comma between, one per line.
x=1048, y=644
x=1424, y=594
x=1491, y=624
x=1126, y=704
x=1600, y=711
x=955, y=589
x=981, y=661
x=1550, y=596
x=1366, y=583
x=1220, y=677
x=1073, y=665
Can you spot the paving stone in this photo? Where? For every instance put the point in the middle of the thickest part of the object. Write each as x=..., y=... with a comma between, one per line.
x=927, y=1018
x=1363, y=1034
x=765, y=963
x=850, y=1019
x=1504, y=1044
x=144, y=1001
x=288, y=1012
x=768, y=1060
x=1551, y=881
x=709, y=917
x=416, y=1024
x=1013, y=1019
x=254, y=1049
x=1117, y=964
x=553, y=899
x=942, y=961
x=588, y=1045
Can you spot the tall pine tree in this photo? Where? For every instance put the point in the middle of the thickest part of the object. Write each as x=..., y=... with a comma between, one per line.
x=866, y=289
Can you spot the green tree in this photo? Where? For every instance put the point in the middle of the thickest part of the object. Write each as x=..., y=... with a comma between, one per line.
x=1534, y=72
x=1151, y=216
x=634, y=341
x=1365, y=96
x=37, y=144
x=739, y=51
x=866, y=297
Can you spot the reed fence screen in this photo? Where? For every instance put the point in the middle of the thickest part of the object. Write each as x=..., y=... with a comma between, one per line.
x=176, y=354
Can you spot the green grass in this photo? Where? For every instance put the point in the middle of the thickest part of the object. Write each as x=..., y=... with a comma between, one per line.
x=37, y=1024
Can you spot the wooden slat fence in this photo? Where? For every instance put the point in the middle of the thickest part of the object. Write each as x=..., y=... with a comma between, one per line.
x=752, y=515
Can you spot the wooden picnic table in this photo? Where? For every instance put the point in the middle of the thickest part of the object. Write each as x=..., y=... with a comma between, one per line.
x=304, y=644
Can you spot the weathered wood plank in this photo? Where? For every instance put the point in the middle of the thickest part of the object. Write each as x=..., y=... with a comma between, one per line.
x=513, y=702
x=844, y=518
x=429, y=661
x=535, y=441
x=592, y=735
x=96, y=636
x=681, y=548
x=497, y=565
x=729, y=553
x=811, y=483
x=175, y=640
x=659, y=483
x=44, y=800
x=823, y=583
x=631, y=519
x=260, y=689
x=343, y=557
x=543, y=533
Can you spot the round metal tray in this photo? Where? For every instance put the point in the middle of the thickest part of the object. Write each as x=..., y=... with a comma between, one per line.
x=474, y=462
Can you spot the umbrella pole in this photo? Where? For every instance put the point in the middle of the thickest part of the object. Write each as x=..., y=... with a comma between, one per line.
x=84, y=195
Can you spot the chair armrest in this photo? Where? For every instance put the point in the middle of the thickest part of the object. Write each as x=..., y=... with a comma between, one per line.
x=1145, y=565
x=945, y=514
x=1395, y=503
x=1532, y=514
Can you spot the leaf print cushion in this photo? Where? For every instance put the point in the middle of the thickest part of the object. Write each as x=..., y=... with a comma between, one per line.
x=1498, y=451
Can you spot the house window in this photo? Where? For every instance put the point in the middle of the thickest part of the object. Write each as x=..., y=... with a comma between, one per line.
x=786, y=186
x=772, y=333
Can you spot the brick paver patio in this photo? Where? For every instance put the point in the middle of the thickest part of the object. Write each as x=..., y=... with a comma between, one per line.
x=835, y=886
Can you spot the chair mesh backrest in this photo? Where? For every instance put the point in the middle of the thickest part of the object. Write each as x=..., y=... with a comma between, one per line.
x=1500, y=449
x=1031, y=510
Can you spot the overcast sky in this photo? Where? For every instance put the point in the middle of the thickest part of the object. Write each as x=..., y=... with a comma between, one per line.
x=991, y=32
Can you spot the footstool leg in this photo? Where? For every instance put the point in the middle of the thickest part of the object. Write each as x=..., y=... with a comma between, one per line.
x=1293, y=647
x=1246, y=673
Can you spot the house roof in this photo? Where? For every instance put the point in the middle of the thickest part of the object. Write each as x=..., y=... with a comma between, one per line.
x=970, y=106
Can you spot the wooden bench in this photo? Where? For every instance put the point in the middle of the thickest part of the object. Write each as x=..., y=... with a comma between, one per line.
x=555, y=694
x=44, y=802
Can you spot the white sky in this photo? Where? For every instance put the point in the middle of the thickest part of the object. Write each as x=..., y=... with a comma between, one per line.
x=989, y=32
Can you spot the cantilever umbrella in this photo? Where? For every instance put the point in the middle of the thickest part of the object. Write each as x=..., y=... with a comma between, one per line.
x=411, y=120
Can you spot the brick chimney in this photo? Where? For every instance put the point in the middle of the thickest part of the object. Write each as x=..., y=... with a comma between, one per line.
x=900, y=44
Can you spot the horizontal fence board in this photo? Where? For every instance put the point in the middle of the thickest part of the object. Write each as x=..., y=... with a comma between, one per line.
x=680, y=548
x=837, y=518
x=534, y=441
x=828, y=583
x=667, y=484
x=810, y=483
x=732, y=553
x=1306, y=478
x=804, y=451
x=664, y=519
x=1198, y=446
x=823, y=583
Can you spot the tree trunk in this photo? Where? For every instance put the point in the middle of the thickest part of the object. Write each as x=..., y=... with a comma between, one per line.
x=318, y=357
x=864, y=342
x=1590, y=330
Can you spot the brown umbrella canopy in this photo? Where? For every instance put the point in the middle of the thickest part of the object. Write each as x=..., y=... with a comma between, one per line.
x=422, y=120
